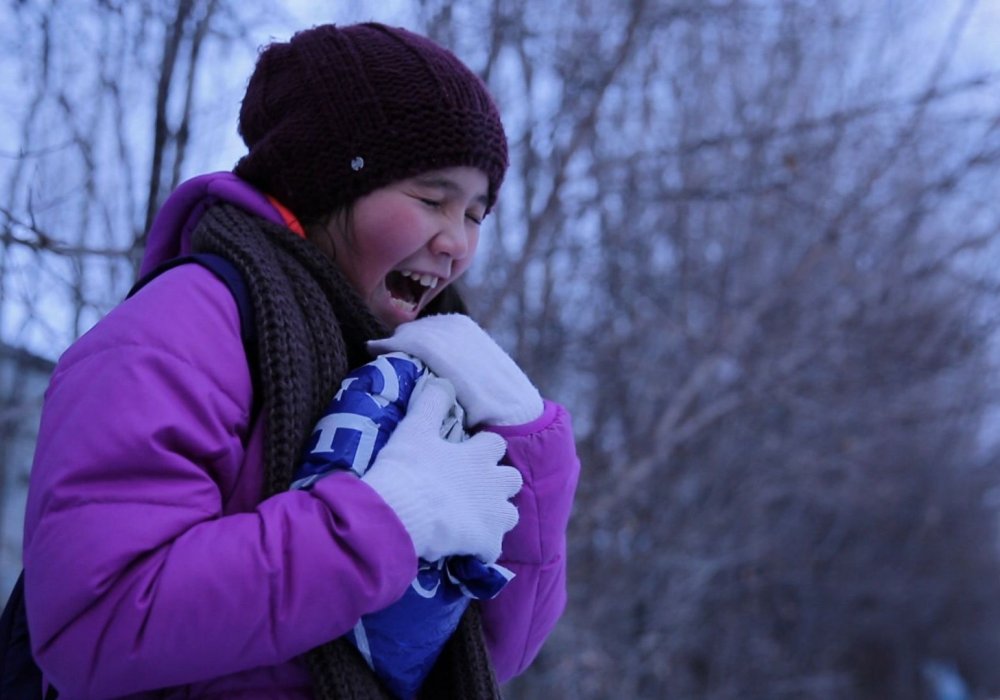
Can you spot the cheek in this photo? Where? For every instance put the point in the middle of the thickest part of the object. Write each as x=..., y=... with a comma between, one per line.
x=473, y=245
x=388, y=236
x=474, y=242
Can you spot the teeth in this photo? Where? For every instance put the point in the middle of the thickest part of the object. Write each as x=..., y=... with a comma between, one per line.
x=403, y=304
x=426, y=280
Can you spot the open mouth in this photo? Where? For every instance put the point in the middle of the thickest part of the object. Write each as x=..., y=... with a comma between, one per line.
x=408, y=289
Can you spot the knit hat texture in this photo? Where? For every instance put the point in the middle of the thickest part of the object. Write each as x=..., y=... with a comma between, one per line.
x=337, y=112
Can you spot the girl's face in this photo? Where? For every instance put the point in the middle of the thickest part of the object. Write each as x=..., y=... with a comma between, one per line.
x=400, y=245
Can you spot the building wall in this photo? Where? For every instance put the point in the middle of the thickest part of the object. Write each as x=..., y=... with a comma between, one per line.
x=23, y=379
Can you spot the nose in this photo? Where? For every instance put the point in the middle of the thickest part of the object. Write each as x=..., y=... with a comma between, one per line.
x=452, y=240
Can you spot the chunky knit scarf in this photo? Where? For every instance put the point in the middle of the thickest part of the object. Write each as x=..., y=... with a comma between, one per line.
x=311, y=331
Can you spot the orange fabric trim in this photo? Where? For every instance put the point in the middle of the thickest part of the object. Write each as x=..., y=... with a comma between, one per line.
x=287, y=216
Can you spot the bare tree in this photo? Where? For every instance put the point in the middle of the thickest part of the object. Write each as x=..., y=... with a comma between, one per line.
x=89, y=172
x=750, y=244
x=743, y=243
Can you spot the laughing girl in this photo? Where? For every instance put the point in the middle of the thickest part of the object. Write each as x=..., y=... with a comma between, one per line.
x=165, y=555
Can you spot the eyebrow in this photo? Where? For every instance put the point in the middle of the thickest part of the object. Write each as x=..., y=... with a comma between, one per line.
x=449, y=185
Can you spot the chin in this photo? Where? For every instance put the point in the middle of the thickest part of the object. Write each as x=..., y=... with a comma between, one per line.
x=392, y=315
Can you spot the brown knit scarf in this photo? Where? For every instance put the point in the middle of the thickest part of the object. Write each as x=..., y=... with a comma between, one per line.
x=311, y=331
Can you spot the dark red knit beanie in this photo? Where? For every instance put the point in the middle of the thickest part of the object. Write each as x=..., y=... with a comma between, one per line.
x=337, y=112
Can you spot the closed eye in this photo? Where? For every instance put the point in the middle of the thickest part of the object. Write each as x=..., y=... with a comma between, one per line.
x=472, y=216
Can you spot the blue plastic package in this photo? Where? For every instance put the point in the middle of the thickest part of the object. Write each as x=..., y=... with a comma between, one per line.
x=401, y=642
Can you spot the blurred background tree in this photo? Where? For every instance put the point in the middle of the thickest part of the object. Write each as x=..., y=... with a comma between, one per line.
x=751, y=244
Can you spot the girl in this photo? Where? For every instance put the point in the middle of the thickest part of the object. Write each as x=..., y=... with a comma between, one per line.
x=165, y=555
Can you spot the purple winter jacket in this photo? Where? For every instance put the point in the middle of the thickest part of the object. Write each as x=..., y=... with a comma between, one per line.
x=150, y=561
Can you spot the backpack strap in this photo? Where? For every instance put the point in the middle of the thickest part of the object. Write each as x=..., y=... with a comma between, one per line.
x=20, y=676
x=227, y=272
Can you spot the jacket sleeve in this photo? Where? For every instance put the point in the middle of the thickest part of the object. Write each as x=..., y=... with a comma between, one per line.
x=138, y=575
x=517, y=622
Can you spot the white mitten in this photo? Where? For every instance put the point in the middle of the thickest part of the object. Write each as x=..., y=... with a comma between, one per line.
x=490, y=386
x=452, y=497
